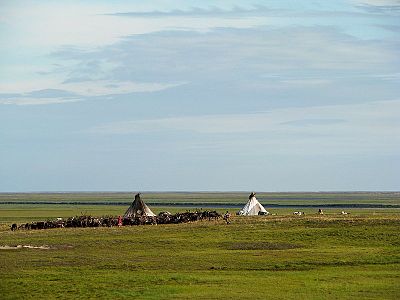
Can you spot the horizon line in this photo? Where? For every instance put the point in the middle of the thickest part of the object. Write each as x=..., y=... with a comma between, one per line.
x=194, y=191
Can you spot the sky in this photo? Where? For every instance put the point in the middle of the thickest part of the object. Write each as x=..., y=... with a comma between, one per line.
x=203, y=95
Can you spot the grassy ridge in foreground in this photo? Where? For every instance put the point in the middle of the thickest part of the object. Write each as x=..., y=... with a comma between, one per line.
x=253, y=258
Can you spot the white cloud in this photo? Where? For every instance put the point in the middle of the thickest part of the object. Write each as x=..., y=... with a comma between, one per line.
x=201, y=124
x=379, y=2
x=305, y=82
x=54, y=24
x=80, y=89
x=363, y=118
x=41, y=28
x=108, y=87
x=27, y=86
x=249, y=56
x=390, y=76
x=336, y=129
x=37, y=101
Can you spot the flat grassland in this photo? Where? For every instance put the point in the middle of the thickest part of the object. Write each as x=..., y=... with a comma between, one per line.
x=387, y=198
x=283, y=256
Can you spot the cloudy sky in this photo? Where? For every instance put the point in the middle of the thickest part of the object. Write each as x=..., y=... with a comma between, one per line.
x=278, y=95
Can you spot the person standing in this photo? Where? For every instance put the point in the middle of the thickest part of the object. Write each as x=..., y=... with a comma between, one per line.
x=119, y=221
x=227, y=217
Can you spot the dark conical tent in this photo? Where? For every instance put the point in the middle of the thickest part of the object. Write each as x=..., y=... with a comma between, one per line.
x=138, y=208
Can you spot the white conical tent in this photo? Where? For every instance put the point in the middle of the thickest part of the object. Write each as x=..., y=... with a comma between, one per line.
x=138, y=208
x=253, y=207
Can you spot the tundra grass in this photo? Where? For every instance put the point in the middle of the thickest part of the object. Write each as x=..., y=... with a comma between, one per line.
x=278, y=257
x=22, y=213
x=386, y=198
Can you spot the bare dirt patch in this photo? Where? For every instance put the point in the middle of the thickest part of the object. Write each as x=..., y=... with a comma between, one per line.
x=44, y=247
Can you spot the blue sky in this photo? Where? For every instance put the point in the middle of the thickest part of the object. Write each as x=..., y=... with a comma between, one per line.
x=199, y=95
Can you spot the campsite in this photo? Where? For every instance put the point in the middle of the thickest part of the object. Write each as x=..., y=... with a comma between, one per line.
x=207, y=149
x=275, y=256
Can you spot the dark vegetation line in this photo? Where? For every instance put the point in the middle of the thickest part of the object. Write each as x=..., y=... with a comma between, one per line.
x=206, y=205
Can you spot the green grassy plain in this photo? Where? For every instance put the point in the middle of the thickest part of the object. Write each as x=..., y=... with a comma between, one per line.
x=211, y=197
x=265, y=257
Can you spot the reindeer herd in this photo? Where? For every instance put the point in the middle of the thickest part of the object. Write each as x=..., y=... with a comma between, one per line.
x=110, y=221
